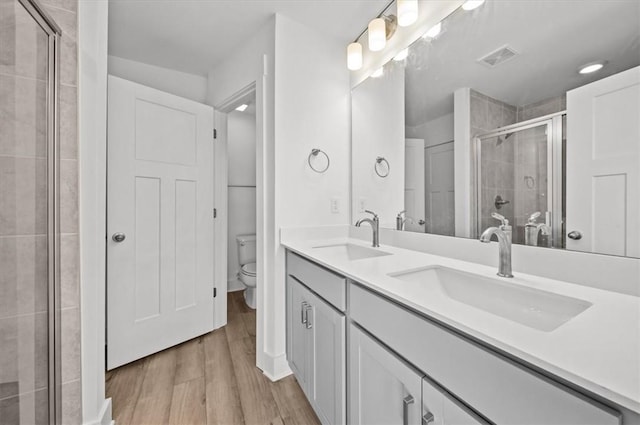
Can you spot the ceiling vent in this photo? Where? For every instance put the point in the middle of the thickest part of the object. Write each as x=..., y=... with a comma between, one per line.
x=498, y=56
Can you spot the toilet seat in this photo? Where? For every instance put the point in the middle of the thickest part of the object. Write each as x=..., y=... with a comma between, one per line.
x=248, y=269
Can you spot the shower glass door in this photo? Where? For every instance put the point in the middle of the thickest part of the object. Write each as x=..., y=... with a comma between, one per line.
x=28, y=308
x=519, y=175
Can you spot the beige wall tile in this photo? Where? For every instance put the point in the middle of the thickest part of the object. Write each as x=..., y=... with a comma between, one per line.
x=68, y=122
x=23, y=190
x=68, y=196
x=69, y=271
x=23, y=281
x=71, y=403
x=70, y=333
x=68, y=62
x=23, y=109
x=69, y=5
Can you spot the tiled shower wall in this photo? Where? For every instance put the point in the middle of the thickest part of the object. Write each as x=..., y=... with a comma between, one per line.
x=22, y=167
x=498, y=159
x=515, y=167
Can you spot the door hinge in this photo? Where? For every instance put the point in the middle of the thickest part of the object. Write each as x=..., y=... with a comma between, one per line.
x=215, y=213
x=215, y=133
x=215, y=292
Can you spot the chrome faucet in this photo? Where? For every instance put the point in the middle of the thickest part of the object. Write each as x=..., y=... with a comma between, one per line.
x=503, y=232
x=375, y=226
x=400, y=220
x=532, y=229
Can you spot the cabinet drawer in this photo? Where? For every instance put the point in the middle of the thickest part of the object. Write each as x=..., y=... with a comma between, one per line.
x=330, y=286
x=498, y=388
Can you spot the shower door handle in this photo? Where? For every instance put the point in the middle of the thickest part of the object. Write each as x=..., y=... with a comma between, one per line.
x=118, y=237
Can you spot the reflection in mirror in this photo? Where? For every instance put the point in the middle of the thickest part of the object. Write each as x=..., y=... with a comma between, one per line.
x=494, y=113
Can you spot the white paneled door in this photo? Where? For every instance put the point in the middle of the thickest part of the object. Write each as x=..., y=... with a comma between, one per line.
x=603, y=177
x=160, y=227
x=440, y=189
x=414, y=185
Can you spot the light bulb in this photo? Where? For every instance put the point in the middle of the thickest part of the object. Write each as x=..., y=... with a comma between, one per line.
x=377, y=34
x=354, y=56
x=407, y=12
x=472, y=4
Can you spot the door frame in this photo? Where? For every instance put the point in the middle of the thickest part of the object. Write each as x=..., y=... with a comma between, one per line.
x=555, y=165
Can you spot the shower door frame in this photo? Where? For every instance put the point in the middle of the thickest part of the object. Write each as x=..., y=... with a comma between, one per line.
x=53, y=32
x=555, y=165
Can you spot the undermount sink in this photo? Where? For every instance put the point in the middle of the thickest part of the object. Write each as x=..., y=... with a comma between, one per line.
x=351, y=252
x=531, y=307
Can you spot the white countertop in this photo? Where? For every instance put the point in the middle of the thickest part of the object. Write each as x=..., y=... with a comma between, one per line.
x=598, y=350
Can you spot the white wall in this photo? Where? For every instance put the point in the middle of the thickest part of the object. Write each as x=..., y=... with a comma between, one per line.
x=378, y=130
x=241, y=151
x=434, y=132
x=302, y=98
x=92, y=118
x=181, y=84
x=253, y=63
x=311, y=111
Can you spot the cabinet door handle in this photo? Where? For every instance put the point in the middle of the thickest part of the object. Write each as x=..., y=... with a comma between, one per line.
x=428, y=418
x=303, y=312
x=405, y=408
x=307, y=319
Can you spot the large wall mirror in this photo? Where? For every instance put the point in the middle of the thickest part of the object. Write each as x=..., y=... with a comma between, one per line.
x=528, y=109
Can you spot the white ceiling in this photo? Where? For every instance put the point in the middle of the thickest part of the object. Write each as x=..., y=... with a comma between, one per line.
x=553, y=39
x=196, y=35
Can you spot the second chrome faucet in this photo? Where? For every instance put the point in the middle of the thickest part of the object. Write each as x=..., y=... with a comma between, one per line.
x=503, y=233
x=375, y=226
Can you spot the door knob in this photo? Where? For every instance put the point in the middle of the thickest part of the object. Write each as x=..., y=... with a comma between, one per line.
x=575, y=235
x=421, y=222
x=118, y=237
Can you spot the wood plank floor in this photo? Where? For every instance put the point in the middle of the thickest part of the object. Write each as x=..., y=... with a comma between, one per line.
x=208, y=380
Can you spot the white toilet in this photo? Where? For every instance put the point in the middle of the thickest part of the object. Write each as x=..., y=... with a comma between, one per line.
x=247, y=260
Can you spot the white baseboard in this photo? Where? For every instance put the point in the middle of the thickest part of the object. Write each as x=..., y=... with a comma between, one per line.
x=104, y=417
x=234, y=285
x=276, y=367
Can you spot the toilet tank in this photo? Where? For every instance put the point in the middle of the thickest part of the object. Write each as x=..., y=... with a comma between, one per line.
x=246, y=249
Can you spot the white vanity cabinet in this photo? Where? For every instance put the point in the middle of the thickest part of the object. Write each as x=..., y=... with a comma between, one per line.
x=384, y=389
x=316, y=339
x=404, y=367
x=500, y=389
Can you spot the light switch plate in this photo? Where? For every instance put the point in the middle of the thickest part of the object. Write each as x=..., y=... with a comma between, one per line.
x=335, y=206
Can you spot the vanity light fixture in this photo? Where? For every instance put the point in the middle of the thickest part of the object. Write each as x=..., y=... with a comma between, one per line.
x=354, y=56
x=377, y=34
x=407, y=12
x=378, y=72
x=402, y=55
x=381, y=29
x=472, y=4
x=242, y=107
x=591, y=67
x=433, y=31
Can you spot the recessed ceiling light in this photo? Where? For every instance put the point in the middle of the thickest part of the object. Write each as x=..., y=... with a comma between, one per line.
x=378, y=73
x=591, y=67
x=433, y=31
x=242, y=107
x=402, y=55
x=472, y=4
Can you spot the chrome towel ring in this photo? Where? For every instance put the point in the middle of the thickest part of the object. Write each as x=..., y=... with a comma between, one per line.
x=314, y=154
x=384, y=173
